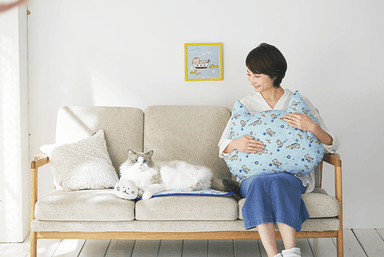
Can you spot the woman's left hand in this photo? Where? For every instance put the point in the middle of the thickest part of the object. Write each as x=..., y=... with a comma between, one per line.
x=304, y=122
x=301, y=121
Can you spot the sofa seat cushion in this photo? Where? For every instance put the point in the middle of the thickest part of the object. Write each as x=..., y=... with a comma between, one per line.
x=84, y=205
x=187, y=208
x=319, y=204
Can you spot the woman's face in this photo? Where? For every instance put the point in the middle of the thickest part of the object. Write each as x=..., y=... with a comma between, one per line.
x=260, y=82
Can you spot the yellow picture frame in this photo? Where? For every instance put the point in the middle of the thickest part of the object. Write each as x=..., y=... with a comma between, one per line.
x=203, y=61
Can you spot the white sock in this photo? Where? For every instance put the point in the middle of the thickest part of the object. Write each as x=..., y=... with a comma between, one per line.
x=294, y=252
x=278, y=255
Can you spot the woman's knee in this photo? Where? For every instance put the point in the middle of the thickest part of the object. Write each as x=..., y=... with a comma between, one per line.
x=251, y=184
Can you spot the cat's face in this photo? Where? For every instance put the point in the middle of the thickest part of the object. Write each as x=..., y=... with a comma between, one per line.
x=140, y=160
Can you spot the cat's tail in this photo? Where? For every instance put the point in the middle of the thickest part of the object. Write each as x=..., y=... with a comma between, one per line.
x=226, y=185
x=231, y=185
x=217, y=184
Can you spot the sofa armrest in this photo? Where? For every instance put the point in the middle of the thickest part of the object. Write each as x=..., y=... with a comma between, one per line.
x=334, y=160
x=38, y=161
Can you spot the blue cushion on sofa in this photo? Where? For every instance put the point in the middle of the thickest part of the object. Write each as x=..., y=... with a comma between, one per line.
x=202, y=192
x=287, y=149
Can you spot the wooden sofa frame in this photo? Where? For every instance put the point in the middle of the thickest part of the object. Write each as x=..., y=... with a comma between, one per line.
x=40, y=160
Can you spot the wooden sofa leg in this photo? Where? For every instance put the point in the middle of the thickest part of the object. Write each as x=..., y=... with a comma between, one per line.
x=33, y=243
x=340, y=243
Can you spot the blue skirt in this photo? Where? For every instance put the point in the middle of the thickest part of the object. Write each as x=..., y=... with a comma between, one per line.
x=273, y=198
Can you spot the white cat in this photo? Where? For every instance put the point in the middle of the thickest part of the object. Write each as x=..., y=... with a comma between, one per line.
x=174, y=175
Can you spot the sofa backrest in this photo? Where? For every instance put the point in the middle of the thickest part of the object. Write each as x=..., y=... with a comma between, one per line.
x=188, y=133
x=123, y=127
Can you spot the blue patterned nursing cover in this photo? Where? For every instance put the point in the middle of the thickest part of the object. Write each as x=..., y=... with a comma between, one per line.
x=287, y=149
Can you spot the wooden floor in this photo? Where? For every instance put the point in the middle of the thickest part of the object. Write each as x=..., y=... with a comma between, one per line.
x=357, y=243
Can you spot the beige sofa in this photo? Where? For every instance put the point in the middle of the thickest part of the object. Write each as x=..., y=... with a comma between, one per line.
x=189, y=133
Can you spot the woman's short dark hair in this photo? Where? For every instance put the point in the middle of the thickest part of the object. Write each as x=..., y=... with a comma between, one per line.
x=267, y=59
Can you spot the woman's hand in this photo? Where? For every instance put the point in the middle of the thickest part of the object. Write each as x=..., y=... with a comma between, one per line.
x=301, y=121
x=246, y=144
x=304, y=122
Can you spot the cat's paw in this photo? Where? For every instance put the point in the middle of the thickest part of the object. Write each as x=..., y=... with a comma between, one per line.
x=140, y=193
x=146, y=196
x=195, y=186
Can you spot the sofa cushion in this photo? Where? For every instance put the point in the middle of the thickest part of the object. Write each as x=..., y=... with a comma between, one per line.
x=187, y=133
x=319, y=204
x=123, y=128
x=84, y=205
x=187, y=208
x=84, y=164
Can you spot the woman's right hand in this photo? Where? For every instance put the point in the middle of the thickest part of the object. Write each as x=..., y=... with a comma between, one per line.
x=246, y=144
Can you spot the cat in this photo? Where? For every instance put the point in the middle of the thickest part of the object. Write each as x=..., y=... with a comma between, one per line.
x=153, y=178
x=197, y=61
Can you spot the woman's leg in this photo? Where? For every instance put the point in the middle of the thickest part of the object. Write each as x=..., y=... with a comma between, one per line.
x=274, y=199
x=267, y=235
x=288, y=234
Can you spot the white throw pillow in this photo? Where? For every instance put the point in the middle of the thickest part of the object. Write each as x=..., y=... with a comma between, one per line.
x=84, y=164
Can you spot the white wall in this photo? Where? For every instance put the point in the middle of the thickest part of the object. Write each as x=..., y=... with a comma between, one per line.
x=130, y=53
x=14, y=145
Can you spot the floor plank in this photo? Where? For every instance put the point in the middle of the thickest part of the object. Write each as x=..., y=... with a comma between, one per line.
x=69, y=248
x=3, y=246
x=120, y=248
x=46, y=247
x=220, y=248
x=170, y=248
x=352, y=247
x=381, y=232
x=195, y=248
x=371, y=241
x=323, y=247
x=305, y=248
x=247, y=247
x=146, y=248
x=16, y=249
x=354, y=240
x=95, y=248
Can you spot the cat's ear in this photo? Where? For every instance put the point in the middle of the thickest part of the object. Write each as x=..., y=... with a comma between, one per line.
x=149, y=154
x=130, y=152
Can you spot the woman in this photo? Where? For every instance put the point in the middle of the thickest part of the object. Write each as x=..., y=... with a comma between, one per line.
x=274, y=198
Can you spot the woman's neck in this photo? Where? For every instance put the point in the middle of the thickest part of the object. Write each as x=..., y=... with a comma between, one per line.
x=272, y=95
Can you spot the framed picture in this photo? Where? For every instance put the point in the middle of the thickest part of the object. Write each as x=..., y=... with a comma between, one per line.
x=203, y=61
